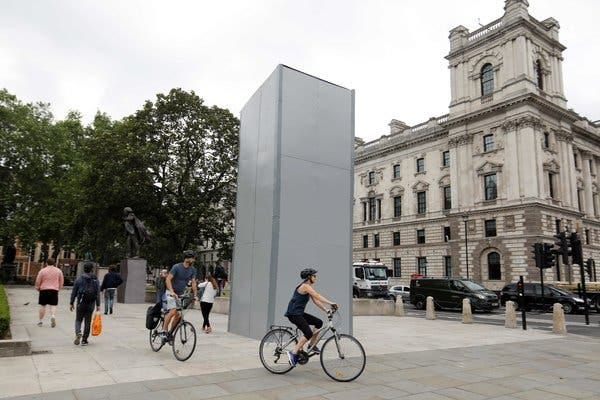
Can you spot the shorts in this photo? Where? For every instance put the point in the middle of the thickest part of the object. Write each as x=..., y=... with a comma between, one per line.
x=303, y=321
x=48, y=297
x=169, y=301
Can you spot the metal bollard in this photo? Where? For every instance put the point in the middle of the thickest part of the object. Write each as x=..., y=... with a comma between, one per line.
x=430, y=313
x=399, y=309
x=467, y=315
x=559, y=325
x=511, y=315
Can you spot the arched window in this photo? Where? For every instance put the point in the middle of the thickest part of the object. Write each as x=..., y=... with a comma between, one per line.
x=494, y=272
x=538, y=74
x=487, y=80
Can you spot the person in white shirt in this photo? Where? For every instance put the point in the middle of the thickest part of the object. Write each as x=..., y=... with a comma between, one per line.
x=207, y=299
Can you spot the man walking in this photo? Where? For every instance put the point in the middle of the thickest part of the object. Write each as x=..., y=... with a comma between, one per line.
x=111, y=281
x=87, y=292
x=161, y=284
x=48, y=282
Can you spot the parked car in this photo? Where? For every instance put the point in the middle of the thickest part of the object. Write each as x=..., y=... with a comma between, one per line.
x=400, y=291
x=532, y=297
x=450, y=292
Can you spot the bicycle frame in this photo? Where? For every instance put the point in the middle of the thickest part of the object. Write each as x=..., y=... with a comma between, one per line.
x=320, y=335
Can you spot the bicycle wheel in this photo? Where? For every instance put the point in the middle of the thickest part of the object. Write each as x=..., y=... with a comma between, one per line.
x=273, y=350
x=343, y=359
x=184, y=341
x=156, y=339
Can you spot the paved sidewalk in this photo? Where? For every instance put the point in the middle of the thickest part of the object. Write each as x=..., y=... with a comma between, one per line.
x=407, y=358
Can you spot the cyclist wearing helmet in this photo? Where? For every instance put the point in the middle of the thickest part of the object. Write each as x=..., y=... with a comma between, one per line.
x=176, y=282
x=296, y=315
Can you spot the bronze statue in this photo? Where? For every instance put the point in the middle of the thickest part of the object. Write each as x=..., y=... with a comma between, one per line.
x=137, y=234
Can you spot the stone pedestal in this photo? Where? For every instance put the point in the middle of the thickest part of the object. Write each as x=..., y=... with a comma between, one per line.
x=133, y=272
x=8, y=272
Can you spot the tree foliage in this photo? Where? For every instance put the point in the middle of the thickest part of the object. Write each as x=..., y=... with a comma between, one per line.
x=173, y=162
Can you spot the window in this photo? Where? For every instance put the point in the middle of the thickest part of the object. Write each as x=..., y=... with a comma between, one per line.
x=421, y=203
x=487, y=80
x=378, y=208
x=546, y=140
x=397, y=263
x=488, y=143
x=66, y=254
x=587, y=236
x=396, y=171
x=372, y=209
x=551, y=184
x=446, y=159
x=539, y=75
x=371, y=178
x=447, y=198
x=490, y=227
x=575, y=160
x=376, y=240
x=364, y=204
x=557, y=224
x=446, y=233
x=420, y=236
x=365, y=241
x=494, y=271
x=490, y=186
x=397, y=206
x=396, y=238
x=420, y=165
x=422, y=265
x=447, y=266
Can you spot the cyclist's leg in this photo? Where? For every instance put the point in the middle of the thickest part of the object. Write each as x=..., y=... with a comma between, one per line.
x=172, y=316
x=301, y=323
x=317, y=323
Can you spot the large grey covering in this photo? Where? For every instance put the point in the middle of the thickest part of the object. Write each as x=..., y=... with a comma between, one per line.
x=294, y=199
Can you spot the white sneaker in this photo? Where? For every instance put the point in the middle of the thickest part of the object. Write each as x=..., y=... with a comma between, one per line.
x=39, y=323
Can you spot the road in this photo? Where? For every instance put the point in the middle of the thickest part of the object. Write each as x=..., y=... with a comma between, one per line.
x=535, y=320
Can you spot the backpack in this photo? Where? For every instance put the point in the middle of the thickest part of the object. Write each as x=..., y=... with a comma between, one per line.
x=153, y=315
x=89, y=290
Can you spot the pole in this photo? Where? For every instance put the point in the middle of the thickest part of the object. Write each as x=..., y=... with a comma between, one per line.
x=585, y=303
x=522, y=303
x=542, y=284
x=467, y=248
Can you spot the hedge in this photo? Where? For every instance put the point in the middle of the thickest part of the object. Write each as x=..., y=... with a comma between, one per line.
x=4, y=313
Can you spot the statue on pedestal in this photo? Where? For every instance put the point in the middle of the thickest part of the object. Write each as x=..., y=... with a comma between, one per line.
x=137, y=234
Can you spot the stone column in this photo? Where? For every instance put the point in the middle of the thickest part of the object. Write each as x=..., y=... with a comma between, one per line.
x=586, y=158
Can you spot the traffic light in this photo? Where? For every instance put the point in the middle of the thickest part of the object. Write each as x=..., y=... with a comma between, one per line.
x=589, y=266
x=538, y=249
x=520, y=287
x=563, y=245
x=547, y=256
x=577, y=250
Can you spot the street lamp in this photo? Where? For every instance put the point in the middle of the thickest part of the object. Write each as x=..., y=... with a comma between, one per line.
x=466, y=219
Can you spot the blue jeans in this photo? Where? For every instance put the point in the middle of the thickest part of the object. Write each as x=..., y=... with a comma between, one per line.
x=159, y=295
x=109, y=299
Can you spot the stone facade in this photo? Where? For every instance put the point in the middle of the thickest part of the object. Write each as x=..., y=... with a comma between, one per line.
x=509, y=162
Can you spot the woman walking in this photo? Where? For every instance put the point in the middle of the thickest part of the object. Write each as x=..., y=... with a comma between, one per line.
x=207, y=300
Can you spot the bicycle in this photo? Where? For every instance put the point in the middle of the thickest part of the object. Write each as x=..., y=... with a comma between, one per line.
x=183, y=338
x=342, y=356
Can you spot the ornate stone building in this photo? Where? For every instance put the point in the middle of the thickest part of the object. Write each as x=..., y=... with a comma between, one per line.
x=470, y=192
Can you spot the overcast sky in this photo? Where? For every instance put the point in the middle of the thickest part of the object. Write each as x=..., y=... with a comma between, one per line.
x=112, y=55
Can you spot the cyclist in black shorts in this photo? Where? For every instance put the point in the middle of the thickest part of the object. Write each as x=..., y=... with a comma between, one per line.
x=295, y=312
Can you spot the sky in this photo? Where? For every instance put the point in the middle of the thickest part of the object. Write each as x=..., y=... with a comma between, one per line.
x=113, y=55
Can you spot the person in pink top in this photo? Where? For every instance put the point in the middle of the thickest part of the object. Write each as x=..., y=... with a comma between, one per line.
x=48, y=282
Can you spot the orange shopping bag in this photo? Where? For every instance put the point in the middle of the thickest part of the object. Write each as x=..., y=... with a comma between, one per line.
x=97, y=324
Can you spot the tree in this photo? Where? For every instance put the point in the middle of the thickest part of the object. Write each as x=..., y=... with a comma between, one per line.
x=193, y=152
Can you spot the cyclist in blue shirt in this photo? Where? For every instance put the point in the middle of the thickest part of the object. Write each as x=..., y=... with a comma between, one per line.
x=295, y=312
x=176, y=282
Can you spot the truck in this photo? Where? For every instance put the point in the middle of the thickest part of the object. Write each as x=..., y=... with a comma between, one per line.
x=370, y=279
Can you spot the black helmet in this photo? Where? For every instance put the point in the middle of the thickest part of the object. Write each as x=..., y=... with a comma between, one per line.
x=189, y=254
x=306, y=272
